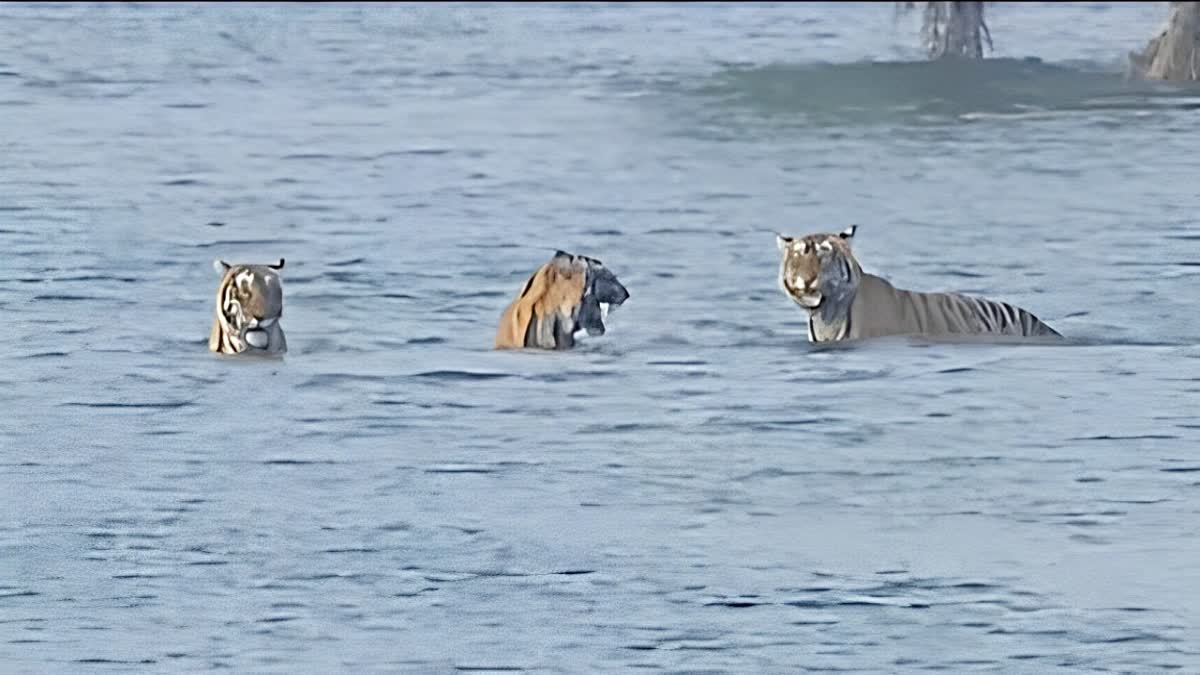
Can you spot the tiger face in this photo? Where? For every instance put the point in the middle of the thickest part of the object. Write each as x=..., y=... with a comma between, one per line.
x=249, y=306
x=601, y=292
x=818, y=268
x=567, y=297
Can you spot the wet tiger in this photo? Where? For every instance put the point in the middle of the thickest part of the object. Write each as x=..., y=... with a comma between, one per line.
x=249, y=306
x=819, y=273
x=571, y=293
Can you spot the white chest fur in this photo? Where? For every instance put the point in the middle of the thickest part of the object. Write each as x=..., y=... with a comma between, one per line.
x=257, y=338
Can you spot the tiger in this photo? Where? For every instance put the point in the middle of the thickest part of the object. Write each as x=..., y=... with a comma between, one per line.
x=249, y=306
x=820, y=273
x=568, y=294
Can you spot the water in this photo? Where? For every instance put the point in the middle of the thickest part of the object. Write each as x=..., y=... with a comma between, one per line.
x=699, y=490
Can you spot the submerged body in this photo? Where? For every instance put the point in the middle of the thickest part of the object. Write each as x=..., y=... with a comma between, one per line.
x=820, y=273
x=249, y=306
x=564, y=296
x=880, y=309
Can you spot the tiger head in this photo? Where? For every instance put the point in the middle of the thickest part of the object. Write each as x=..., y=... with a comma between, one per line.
x=571, y=293
x=818, y=268
x=601, y=291
x=249, y=306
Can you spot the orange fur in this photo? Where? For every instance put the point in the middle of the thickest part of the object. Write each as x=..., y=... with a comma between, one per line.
x=554, y=289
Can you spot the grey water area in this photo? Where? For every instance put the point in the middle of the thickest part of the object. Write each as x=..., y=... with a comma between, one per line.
x=698, y=490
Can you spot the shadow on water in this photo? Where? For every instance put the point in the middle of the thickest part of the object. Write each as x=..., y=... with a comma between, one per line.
x=931, y=92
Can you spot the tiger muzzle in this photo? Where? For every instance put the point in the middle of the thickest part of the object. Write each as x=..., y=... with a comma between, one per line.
x=809, y=299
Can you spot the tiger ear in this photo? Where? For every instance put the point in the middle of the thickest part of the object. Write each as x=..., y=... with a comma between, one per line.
x=221, y=266
x=278, y=265
x=848, y=233
x=783, y=242
x=564, y=263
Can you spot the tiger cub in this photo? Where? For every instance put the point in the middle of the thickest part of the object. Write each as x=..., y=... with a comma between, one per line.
x=571, y=293
x=249, y=306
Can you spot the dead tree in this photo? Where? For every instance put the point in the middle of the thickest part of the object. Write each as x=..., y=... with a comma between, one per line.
x=1175, y=53
x=952, y=29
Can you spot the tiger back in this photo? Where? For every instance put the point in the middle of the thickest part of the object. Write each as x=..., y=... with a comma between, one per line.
x=249, y=305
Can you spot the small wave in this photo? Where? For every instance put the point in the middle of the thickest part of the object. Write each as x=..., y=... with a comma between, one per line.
x=460, y=375
x=97, y=277
x=247, y=242
x=322, y=156
x=1107, y=437
x=346, y=263
x=61, y=297
x=329, y=379
x=629, y=427
x=158, y=405
x=932, y=91
x=460, y=468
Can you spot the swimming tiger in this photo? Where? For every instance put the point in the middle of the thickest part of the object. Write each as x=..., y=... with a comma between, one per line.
x=819, y=273
x=568, y=294
x=249, y=306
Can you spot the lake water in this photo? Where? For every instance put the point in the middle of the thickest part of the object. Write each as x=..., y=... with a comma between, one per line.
x=699, y=490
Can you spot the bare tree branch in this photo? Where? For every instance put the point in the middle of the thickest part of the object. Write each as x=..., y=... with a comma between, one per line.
x=1175, y=53
x=952, y=29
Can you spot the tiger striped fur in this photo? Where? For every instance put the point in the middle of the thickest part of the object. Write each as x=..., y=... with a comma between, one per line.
x=249, y=306
x=568, y=294
x=820, y=273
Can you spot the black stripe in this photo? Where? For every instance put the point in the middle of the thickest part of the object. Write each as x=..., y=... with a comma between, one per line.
x=1028, y=323
x=998, y=314
x=528, y=284
x=531, y=331
x=979, y=311
x=1012, y=319
x=989, y=321
x=996, y=311
x=564, y=334
x=989, y=310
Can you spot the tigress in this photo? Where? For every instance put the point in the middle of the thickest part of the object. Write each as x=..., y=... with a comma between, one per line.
x=249, y=305
x=568, y=294
x=819, y=273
